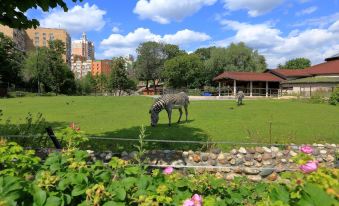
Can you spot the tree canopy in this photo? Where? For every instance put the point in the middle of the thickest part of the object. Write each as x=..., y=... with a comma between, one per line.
x=297, y=63
x=186, y=70
x=13, y=12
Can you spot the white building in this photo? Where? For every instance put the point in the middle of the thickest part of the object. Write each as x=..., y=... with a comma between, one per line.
x=81, y=68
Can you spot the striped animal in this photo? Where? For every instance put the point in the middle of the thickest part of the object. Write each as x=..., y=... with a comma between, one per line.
x=169, y=102
x=240, y=97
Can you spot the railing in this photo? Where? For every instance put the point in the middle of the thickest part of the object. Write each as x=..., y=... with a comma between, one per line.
x=224, y=91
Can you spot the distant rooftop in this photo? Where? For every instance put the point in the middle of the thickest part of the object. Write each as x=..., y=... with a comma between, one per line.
x=334, y=57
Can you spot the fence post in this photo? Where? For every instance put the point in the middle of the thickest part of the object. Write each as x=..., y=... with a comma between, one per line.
x=51, y=135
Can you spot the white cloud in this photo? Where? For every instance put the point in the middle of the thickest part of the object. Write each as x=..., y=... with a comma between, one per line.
x=115, y=29
x=78, y=19
x=164, y=11
x=319, y=22
x=315, y=44
x=307, y=11
x=255, y=8
x=118, y=44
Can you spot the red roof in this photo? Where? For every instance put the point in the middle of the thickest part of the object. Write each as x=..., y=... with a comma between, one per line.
x=248, y=76
x=329, y=67
x=290, y=72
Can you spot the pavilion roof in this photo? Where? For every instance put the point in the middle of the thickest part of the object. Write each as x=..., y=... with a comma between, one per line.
x=248, y=76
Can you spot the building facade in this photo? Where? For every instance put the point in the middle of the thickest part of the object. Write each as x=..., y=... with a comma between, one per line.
x=101, y=67
x=83, y=48
x=17, y=35
x=39, y=37
x=81, y=68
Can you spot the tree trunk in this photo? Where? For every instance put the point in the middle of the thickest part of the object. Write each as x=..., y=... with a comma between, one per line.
x=147, y=87
x=155, y=87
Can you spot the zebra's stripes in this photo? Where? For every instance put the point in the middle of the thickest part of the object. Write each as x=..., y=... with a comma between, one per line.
x=169, y=102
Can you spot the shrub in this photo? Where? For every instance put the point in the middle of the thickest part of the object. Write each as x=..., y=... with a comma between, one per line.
x=334, y=98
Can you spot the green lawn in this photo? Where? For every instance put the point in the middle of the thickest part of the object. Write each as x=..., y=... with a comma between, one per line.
x=292, y=121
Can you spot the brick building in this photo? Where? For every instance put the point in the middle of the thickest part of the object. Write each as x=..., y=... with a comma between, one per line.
x=101, y=67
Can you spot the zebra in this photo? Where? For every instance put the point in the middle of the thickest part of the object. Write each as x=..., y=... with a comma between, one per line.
x=169, y=102
x=240, y=97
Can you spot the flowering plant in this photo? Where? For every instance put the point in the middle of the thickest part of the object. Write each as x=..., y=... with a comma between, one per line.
x=196, y=200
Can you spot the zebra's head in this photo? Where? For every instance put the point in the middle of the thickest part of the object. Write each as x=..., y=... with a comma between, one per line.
x=154, y=117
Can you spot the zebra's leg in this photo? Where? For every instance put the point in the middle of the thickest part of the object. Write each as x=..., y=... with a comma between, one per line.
x=180, y=110
x=169, y=113
x=186, y=112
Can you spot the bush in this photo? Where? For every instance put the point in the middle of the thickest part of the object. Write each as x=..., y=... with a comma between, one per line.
x=334, y=98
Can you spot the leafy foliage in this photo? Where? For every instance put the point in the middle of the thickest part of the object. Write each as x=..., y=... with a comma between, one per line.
x=334, y=98
x=297, y=63
x=11, y=61
x=13, y=12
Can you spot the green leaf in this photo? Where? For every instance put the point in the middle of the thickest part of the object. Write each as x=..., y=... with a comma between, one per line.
x=132, y=170
x=318, y=196
x=120, y=194
x=53, y=201
x=112, y=203
x=78, y=190
x=279, y=192
x=39, y=196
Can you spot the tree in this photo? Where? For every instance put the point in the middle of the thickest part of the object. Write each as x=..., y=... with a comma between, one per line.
x=297, y=63
x=13, y=12
x=47, y=68
x=149, y=63
x=186, y=70
x=86, y=84
x=11, y=61
x=236, y=57
x=204, y=53
x=118, y=80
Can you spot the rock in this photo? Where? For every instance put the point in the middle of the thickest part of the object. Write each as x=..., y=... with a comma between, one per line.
x=178, y=163
x=248, y=163
x=242, y=150
x=258, y=157
x=254, y=178
x=258, y=164
x=234, y=151
x=213, y=162
x=213, y=156
x=124, y=154
x=260, y=150
x=272, y=177
x=323, y=151
x=221, y=156
x=218, y=175
x=229, y=157
x=279, y=154
x=237, y=170
x=190, y=152
x=190, y=158
x=223, y=162
x=267, y=162
x=184, y=154
x=108, y=156
x=320, y=146
x=196, y=158
x=90, y=152
x=280, y=168
x=239, y=161
x=204, y=157
x=292, y=153
x=216, y=151
x=266, y=156
x=266, y=149
x=248, y=157
x=251, y=171
x=240, y=156
x=225, y=170
x=274, y=149
x=283, y=160
x=231, y=176
x=251, y=150
x=329, y=158
x=102, y=155
x=320, y=159
x=266, y=171
x=167, y=151
x=232, y=162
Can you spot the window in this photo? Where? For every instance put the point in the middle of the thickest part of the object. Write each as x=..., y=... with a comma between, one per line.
x=51, y=36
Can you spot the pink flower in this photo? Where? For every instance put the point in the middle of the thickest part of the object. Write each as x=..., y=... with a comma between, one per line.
x=188, y=202
x=168, y=170
x=309, y=167
x=197, y=198
x=306, y=149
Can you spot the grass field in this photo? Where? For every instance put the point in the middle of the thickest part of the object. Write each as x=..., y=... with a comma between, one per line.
x=291, y=121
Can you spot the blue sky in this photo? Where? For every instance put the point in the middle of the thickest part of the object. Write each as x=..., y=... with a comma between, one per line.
x=278, y=29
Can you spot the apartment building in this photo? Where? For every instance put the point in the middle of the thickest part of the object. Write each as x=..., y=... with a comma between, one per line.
x=39, y=38
x=17, y=35
x=101, y=67
x=83, y=47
